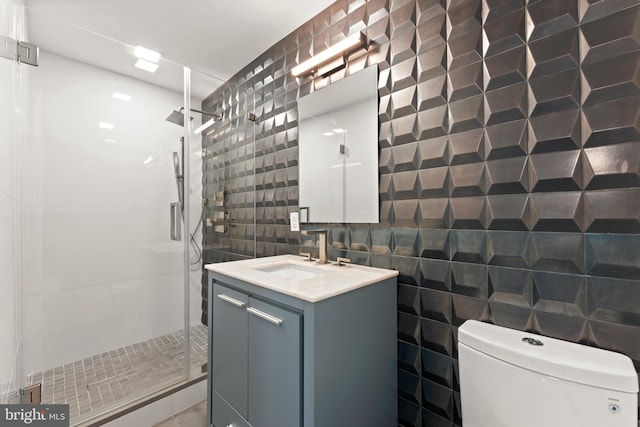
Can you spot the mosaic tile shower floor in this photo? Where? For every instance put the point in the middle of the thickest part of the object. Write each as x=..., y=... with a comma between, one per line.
x=96, y=383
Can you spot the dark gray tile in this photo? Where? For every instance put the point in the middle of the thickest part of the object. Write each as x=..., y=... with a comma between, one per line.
x=614, y=300
x=621, y=338
x=434, y=244
x=558, y=252
x=435, y=213
x=611, y=255
x=556, y=171
x=465, y=308
x=466, y=147
x=435, y=305
x=611, y=122
x=434, y=420
x=409, y=387
x=549, y=17
x=612, y=166
x=409, y=328
x=409, y=299
x=470, y=280
x=409, y=414
x=381, y=241
x=409, y=269
x=469, y=246
x=506, y=140
x=509, y=249
x=508, y=212
x=435, y=274
x=559, y=293
x=437, y=398
x=558, y=212
x=561, y=326
x=612, y=211
x=359, y=238
x=409, y=358
x=512, y=316
x=468, y=212
x=511, y=286
x=507, y=176
x=437, y=368
x=436, y=336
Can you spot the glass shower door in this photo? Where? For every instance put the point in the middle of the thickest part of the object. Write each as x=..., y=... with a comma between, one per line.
x=103, y=283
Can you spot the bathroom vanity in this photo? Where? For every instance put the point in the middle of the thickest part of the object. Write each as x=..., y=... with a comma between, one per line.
x=295, y=343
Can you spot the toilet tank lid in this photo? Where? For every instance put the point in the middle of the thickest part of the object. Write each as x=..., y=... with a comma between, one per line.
x=561, y=359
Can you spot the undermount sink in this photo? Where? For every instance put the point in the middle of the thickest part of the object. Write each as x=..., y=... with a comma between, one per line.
x=291, y=271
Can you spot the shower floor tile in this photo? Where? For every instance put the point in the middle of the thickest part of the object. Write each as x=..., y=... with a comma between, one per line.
x=93, y=384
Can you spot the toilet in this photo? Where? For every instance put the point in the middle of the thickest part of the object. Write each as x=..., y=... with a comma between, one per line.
x=510, y=378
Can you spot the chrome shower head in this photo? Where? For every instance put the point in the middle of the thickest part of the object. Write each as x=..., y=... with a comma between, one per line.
x=177, y=117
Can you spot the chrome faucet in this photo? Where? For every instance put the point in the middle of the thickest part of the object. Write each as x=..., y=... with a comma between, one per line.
x=324, y=258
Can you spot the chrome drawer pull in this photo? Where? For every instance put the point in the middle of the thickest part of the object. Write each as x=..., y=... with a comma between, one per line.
x=230, y=300
x=265, y=316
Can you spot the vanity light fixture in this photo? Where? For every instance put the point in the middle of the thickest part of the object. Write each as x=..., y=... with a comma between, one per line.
x=345, y=46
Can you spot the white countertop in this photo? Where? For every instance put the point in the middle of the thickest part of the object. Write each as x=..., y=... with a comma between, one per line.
x=330, y=281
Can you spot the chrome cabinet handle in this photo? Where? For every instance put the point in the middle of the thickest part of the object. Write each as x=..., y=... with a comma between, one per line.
x=265, y=316
x=230, y=300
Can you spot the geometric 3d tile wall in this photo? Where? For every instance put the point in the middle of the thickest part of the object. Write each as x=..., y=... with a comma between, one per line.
x=509, y=162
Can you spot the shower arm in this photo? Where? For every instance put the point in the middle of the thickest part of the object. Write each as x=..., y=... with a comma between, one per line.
x=217, y=116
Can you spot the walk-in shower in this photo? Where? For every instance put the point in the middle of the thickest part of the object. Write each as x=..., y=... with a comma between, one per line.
x=100, y=307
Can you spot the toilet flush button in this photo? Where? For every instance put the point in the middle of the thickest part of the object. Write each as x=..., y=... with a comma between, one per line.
x=614, y=408
x=532, y=341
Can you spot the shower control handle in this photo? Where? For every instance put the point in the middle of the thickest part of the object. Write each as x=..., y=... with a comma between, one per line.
x=175, y=227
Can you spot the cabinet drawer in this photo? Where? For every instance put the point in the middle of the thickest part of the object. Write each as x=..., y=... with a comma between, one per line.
x=224, y=415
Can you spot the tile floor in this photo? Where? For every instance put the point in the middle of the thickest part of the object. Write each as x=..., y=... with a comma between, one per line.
x=96, y=383
x=196, y=416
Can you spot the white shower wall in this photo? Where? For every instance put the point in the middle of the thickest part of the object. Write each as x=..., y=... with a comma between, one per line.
x=100, y=271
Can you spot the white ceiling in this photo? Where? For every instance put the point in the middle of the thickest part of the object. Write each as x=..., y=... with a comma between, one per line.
x=215, y=37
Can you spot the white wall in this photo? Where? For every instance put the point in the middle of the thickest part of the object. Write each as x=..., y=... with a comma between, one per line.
x=11, y=25
x=100, y=269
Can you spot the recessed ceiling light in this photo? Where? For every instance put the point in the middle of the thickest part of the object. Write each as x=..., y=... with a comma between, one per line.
x=328, y=134
x=146, y=65
x=149, y=160
x=105, y=125
x=121, y=96
x=338, y=130
x=147, y=54
x=110, y=140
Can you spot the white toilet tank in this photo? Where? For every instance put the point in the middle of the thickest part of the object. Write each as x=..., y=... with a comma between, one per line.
x=511, y=378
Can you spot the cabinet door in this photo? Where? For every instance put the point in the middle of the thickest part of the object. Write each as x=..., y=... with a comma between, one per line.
x=229, y=346
x=274, y=366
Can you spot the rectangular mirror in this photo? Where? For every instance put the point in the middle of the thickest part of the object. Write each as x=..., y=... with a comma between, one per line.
x=338, y=151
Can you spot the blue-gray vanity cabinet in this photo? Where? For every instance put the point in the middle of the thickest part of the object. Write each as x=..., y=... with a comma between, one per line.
x=230, y=328
x=333, y=364
x=256, y=370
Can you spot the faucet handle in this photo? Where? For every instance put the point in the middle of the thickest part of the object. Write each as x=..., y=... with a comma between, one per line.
x=342, y=261
x=307, y=255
